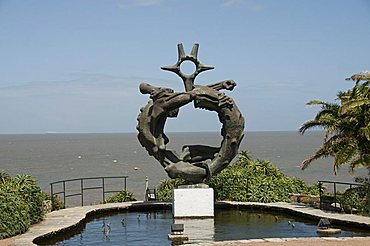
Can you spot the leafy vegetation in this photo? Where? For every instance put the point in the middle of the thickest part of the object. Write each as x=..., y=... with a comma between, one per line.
x=249, y=180
x=355, y=200
x=164, y=191
x=122, y=196
x=257, y=181
x=20, y=204
x=347, y=126
x=56, y=203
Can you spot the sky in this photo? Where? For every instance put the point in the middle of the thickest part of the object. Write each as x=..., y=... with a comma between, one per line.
x=74, y=66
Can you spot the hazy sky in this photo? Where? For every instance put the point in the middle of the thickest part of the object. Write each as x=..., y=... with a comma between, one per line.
x=75, y=66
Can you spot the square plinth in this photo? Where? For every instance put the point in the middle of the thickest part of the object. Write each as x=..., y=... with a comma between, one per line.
x=193, y=202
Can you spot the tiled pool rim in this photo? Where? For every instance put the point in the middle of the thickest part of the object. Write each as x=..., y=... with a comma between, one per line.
x=68, y=219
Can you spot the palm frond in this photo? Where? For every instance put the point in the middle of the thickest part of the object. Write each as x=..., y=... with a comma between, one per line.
x=320, y=153
x=347, y=151
x=329, y=133
x=316, y=102
x=360, y=161
x=365, y=131
x=325, y=113
x=308, y=125
x=363, y=75
x=352, y=104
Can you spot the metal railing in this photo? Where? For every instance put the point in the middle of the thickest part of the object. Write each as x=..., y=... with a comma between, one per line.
x=326, y=201
x=82, y=187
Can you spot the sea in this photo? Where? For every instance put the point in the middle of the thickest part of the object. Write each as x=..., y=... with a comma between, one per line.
x=53, y=157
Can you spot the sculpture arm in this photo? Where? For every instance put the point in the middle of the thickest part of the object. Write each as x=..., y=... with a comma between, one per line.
x=223, y=85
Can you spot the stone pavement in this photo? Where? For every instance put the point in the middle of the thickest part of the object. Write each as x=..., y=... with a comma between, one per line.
x=62, y=220
x=357, y=241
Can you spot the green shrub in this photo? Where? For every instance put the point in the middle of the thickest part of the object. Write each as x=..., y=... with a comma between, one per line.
x=4, y=177
x=56, y=203
x=122, y=196
x=164, y=191
x=257, y=181
x=248, y=180
x=355, y=198
x=14, y=215
x=29, y=192
x=20, y=204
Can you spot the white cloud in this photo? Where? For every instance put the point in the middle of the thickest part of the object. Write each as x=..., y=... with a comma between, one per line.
x=232, y=2
x=141, y=3
x=250, y=4
x=147, y=2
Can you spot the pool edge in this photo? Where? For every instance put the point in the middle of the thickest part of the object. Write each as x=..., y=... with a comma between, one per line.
x=67, y=219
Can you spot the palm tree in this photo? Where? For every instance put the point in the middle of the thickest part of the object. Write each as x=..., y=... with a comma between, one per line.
x=359, y=96
x=346, y=125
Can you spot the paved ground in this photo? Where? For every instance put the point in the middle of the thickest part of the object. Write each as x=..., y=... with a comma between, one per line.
x=261, y=242
x=68, y=218
x=295, y=242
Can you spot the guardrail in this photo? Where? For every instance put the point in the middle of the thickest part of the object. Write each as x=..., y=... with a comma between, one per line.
x=327, y=201
x=82, y=186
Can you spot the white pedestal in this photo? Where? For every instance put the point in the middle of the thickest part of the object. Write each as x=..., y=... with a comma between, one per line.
x=192, y=202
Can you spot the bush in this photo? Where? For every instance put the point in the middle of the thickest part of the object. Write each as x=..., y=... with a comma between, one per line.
x=20, y=204
x=29, y=192
x=355, y=200
x=4, y=177
x=164, y=191
x=14, y=214
x=122, y=196
x=249, y=180
x=257, y=181
x=56, y=203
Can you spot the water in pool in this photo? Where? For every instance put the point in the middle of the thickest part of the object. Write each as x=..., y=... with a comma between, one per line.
x=152, y=228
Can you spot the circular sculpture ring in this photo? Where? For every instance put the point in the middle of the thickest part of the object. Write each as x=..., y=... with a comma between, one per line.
x=196, y=163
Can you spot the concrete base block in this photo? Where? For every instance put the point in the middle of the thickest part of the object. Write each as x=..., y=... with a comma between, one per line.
x=328, y=231
x=178, y=237
x=193, y=202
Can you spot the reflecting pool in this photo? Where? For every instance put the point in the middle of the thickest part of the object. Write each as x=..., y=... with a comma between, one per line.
x=152, y=228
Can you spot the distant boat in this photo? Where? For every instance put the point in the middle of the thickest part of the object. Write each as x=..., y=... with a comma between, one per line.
x=51, y=132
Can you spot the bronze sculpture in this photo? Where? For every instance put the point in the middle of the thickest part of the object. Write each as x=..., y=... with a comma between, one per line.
x=197, y=163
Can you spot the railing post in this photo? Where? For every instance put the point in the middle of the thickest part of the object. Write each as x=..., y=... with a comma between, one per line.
x=335, y=194
x=247, y=188
x=351, y=207
x=51, y=190
x=82, y=192
x=368, y=198
x=320, y=192
x=103, y=184
x=125, y=183
x=64, y=193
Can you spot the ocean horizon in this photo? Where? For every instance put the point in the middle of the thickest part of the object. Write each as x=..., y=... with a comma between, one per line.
x=51, y=157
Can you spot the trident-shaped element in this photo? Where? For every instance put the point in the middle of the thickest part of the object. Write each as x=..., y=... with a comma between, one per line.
x=188, y=79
